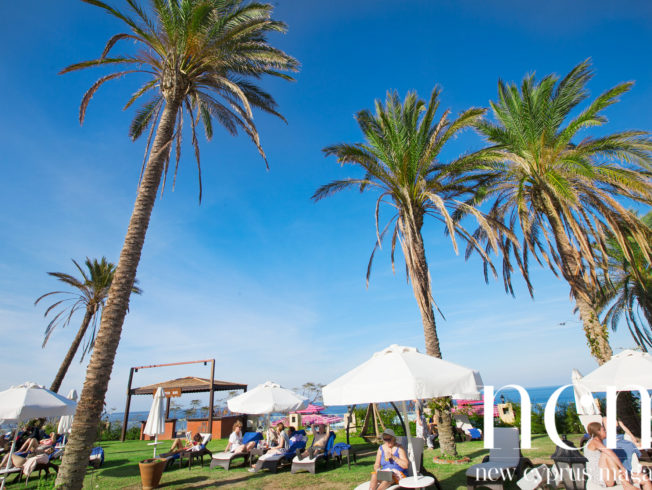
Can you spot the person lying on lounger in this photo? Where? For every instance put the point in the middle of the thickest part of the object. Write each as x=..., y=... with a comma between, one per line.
x=287, y=439
x=320, y=437
x=235, y=441
x=391, y=457
x=32, y=446
x=28, y=449
x=179, y=445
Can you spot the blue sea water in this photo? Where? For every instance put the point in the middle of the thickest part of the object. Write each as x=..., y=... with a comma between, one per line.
x=538, y=396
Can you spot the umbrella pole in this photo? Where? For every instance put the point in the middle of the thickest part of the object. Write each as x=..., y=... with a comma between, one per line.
x=406, y=424
x=155, y=444
x=11, y=453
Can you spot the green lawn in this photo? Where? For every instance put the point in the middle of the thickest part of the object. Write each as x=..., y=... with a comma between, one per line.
x=120, y=470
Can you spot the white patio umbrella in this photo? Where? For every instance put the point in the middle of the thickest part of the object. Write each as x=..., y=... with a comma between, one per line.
x=30, y=401
x=629, y=367
x=400, y=373
x=155, y=424
x=623, y=372
x=587, y=407
x=266, y=399
x=65, y=422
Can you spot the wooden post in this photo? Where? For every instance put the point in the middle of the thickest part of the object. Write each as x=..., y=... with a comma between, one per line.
x=126, y=417
x=167, y=408
x=210, y=400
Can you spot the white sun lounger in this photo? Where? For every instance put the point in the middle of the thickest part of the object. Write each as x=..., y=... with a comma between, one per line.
x=503, y=459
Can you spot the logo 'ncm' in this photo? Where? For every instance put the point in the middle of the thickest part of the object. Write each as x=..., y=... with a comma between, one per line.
x=549, y=416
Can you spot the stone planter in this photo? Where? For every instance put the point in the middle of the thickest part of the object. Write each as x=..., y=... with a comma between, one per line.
x=151, y=471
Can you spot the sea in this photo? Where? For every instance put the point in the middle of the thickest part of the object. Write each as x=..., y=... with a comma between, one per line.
x=538, y=396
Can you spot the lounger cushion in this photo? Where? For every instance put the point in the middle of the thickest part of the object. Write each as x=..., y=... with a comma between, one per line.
x=226, y=456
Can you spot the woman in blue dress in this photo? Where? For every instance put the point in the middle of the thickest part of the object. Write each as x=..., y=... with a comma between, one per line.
x=390, y=457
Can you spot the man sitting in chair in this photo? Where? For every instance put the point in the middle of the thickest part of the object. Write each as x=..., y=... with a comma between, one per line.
x=320, y=437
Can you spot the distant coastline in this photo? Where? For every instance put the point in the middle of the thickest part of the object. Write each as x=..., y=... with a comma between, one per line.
x=538, y=396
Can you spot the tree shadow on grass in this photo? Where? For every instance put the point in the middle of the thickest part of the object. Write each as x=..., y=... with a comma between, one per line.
x=208, y=482
x=119, y=468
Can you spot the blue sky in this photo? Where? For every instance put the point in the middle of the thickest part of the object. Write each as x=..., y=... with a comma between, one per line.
x=259, y=277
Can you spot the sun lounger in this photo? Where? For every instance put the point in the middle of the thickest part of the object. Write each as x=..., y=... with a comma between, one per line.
x=5, y=473
x=196, y=454
x=274, y=462
x=466, y=429
x=309, y=464
x=503, y=461
x=418, y=443
x=225, y=459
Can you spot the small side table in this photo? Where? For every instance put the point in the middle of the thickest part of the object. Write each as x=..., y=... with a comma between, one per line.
x=416, y=482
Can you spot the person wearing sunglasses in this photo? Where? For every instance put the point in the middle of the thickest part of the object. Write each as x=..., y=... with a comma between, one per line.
x=391, y=463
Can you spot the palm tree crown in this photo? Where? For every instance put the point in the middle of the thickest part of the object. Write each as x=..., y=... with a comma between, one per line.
x=400, y=160
x=627, y=291
x=563, y=194
x=88, y=294
x=199, y=55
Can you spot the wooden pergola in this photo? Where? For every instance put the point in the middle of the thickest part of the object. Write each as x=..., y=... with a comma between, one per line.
x=179, y=386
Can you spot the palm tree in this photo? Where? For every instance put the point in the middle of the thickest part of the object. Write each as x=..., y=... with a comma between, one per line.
x=563, y=193
x=201, y=58
x=627, y=291
x=400, y=162
x=89, y=294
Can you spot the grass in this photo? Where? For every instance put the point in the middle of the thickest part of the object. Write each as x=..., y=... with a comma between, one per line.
x=120, y=469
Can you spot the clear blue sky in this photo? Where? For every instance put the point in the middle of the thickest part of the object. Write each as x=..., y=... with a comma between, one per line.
x=259, y=277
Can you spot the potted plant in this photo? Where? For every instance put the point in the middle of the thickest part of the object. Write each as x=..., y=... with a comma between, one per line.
x=151, y=471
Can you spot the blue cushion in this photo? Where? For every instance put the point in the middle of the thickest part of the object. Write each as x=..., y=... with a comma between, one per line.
x=98, y=451
x=251, y=436
x=475, y=433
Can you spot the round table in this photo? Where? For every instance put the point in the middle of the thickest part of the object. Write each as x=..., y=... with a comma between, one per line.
x=416, y=482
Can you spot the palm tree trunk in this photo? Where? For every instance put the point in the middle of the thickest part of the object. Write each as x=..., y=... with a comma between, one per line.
x=89, y=408
x=596, y=333
x=63, y=369
x=415, y=258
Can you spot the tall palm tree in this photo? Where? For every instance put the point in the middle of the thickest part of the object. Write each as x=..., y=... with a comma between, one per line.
x=89, y=293
x=627, y=291
x=201, y=58
x=400, y=161
x=563, y=192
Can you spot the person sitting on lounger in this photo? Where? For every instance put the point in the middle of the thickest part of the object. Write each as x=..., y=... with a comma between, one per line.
x=281, y=439
x=604, y=467
x=320, y=437
x=235, y=441
x=179, y=445
x=287, y=439
x=390, y=457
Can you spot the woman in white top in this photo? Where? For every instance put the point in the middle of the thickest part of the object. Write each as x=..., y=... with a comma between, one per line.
x=603, y=466
x=235, y=441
